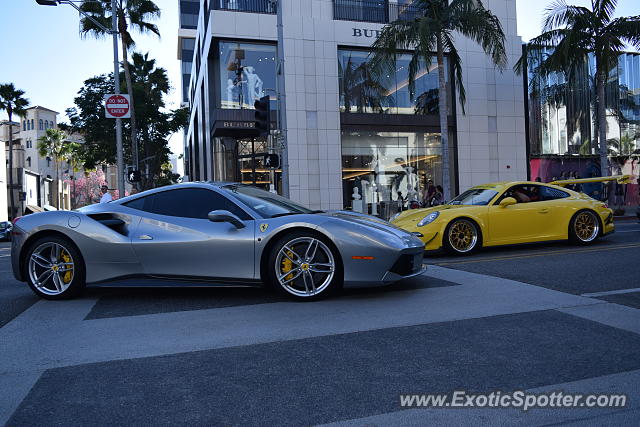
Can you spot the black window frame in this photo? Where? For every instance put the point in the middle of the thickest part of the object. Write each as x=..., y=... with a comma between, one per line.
x=238, y=210
x=504, y=194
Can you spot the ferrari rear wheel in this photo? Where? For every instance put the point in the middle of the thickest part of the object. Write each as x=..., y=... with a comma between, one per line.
x=55, y=269
x=304, y=266
x=461, y=237
x=584, y=227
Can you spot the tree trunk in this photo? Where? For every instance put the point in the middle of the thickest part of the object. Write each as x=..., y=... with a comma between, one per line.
x=601, y=81
x=122, y=26
x=11, y=199
x=55, y=159
x=444, y=122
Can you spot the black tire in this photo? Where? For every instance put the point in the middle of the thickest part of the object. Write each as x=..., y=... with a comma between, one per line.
x=460, y=249
x=68, y=254
x=580, y=232
x=294, y=287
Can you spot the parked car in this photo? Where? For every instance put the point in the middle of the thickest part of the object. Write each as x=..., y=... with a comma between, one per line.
x=210, y=233
x=5, y=230
x=507, y=213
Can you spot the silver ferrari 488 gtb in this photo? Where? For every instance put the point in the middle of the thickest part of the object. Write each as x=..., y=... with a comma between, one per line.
x=221, y=234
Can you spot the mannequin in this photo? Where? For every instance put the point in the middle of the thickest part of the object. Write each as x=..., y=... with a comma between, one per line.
x=356, y=203
x=254, y=85
x=230, y=88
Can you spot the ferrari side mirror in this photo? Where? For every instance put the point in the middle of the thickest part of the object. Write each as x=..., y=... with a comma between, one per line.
x=225, y=216
x=507, y=201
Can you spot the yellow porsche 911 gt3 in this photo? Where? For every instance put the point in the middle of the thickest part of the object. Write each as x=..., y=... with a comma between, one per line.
x=507, y=213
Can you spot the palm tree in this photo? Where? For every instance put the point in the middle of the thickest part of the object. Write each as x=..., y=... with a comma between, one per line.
x=361, y=87
x=74, y=155
x=572, y=33
x=53, y=144
x=130, y=14
x=431, y=29
x=12, y=101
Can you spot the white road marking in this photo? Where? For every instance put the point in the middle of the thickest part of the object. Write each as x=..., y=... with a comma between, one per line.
x=616, y=292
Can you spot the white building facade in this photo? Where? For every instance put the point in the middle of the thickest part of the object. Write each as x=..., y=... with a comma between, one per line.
x=34, y=177
x=352, y=143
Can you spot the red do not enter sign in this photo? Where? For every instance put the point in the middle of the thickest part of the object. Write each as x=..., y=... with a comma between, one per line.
x=117, y=106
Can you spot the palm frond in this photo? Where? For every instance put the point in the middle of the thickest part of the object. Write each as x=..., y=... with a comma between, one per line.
x=483, y=27
x=605, y=9
x=560, y=14
x=456, y=64
x=626, y=29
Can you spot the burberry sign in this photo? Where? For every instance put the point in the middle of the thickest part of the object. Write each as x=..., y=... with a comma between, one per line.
x=363, y=32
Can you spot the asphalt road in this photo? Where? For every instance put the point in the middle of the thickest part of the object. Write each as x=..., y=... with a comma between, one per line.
x=538, y=318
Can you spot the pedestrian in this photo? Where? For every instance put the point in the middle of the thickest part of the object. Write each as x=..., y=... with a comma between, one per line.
x=438, y=197
x=106, y=196
x=428, y=193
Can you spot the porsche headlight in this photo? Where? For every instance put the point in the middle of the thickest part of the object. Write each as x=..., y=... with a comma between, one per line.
x=428, y=219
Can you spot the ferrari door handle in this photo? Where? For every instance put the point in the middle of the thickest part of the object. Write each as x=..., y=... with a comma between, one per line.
x=145, y=237
x=545, y=210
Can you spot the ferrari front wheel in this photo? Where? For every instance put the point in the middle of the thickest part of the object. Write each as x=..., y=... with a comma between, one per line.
x=461, y=237
x=304, y=266
x=55, y=269
x=584, y=227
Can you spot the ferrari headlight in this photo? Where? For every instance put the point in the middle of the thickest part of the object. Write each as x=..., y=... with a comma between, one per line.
x=428, y=219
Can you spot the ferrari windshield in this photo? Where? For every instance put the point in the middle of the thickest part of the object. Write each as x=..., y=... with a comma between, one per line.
x=474, y=196
x=269, y=205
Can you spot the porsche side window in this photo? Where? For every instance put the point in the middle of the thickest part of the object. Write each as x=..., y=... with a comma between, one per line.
x=548, y=193
x=194, y=203
x=522, y=194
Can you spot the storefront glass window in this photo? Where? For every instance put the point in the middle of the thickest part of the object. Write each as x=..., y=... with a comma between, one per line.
x=384, y=172
x=362, y=91
x=247, y=73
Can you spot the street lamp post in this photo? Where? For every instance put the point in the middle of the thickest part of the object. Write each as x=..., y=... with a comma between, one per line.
x=116, y=76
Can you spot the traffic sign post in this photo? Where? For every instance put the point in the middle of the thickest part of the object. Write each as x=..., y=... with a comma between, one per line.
x=117, y=106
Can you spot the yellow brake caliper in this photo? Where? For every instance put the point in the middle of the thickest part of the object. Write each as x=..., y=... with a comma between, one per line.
x=66, y=258
x=287, y=266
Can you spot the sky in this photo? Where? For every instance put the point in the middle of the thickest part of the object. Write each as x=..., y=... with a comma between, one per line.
x=50, y=61
x=45, y=56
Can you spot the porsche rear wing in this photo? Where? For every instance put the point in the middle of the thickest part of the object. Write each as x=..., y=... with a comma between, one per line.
x=620, y=179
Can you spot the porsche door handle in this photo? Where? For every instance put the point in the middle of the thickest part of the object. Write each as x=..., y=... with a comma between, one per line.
x=543, y=211
x=145, y=237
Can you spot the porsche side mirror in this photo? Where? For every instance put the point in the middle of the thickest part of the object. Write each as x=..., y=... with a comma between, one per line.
x=507, y=201
x=225, y=216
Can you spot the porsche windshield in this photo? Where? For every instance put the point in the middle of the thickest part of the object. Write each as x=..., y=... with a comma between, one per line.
x=267, y=204
x=474, y=196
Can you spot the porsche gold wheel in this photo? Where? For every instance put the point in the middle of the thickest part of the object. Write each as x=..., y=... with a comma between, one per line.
x=54, y=268
x=462, y=236
x=585, y=227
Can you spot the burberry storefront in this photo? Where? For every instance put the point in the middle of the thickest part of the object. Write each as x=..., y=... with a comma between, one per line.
x=355, y=140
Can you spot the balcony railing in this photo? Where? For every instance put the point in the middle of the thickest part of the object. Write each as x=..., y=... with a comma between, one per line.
x=380, y=11
x=251, y=6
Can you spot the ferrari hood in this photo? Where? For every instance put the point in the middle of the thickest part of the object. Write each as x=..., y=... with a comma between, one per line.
x=367, y=220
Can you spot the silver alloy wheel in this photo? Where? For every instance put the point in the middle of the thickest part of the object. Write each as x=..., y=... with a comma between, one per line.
x=305, y=267
x=51, y=268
